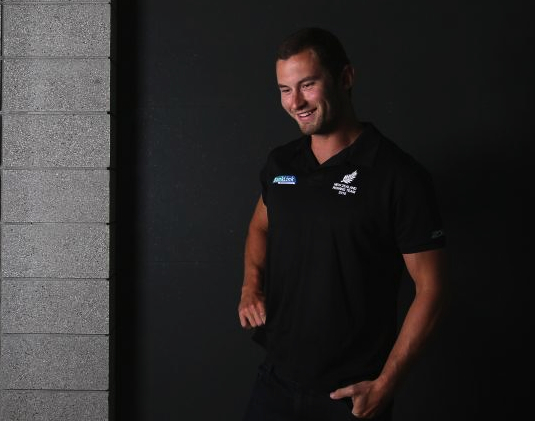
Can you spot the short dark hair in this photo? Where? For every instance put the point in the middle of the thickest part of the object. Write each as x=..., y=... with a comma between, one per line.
x=325, y=44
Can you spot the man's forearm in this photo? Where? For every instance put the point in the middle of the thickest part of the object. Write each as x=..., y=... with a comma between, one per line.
x=255, y=258
x=419, y=323
x=255, y=248
x=427, y=270
x=251, y=309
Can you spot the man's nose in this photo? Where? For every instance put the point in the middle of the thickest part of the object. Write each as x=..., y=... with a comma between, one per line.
x=298, y=101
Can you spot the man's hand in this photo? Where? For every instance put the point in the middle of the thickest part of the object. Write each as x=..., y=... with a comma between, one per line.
x=369, y=398
x=252, y=309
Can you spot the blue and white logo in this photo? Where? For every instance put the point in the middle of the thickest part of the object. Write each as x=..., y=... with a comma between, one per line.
x=285, y=179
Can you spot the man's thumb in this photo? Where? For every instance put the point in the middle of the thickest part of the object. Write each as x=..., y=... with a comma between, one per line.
x=344, y=392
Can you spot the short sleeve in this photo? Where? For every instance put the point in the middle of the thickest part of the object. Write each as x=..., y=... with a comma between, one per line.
x=418, y=223
x=264, y=182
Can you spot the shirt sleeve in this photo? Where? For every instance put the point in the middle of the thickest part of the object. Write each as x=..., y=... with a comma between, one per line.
x=264, y=182
x=418, y=223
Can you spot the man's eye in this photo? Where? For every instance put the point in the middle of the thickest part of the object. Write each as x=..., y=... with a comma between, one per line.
x=285, y=91
x=307, y=85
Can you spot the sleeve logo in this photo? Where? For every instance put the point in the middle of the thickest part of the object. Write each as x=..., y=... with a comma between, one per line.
x=285, y=179
x=437, y=234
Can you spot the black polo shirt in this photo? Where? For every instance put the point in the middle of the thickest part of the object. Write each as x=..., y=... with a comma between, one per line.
x=336, y=236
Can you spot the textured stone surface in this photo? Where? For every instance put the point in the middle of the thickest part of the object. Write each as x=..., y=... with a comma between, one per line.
x=54, y=348
x=56, y=84
x=53, y=406
x=55, y=250
x=46, y=306
x=54, y=362
x=54, y=1
x=56, y=29
x=55, y=195
x=56, y=140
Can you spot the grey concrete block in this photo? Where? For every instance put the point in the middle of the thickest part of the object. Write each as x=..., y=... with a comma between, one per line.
x=73, y=29
x=54, y=362
x=60, y=250
x=56, y=140
x=56, y=1
x=45, y=306
x=53, y=406
x=56, y=84
x=55, y=195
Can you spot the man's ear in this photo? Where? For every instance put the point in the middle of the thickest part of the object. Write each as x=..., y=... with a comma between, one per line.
x=348, y=77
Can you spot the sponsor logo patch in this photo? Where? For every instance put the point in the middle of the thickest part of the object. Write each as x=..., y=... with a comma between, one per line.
x=285, y=179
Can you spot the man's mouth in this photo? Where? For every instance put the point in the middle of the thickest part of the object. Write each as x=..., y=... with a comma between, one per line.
x=305, y=114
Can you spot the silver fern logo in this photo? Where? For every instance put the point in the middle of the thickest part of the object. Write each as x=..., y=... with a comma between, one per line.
x=343, y=187
x=349, y=177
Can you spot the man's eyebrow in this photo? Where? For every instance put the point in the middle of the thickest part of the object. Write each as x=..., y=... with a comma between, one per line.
x=305, y=79
x=308, y=79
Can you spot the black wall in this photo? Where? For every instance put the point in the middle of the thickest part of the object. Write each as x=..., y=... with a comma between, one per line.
x=450, y=82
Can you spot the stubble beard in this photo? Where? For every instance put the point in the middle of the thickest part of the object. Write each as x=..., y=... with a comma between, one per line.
x=322, y=124
x=308, y=128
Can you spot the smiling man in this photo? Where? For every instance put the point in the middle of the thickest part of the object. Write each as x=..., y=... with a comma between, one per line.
x=343, y=211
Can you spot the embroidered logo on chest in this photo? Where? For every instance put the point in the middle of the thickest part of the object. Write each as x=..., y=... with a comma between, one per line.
x=344, y=187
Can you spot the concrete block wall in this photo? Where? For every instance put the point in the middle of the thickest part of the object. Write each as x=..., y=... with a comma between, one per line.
x=56, y=222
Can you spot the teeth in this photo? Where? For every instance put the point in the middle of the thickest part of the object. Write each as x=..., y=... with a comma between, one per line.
x=305, y=114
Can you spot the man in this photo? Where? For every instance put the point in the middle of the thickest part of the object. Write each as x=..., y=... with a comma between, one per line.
x=342, y=211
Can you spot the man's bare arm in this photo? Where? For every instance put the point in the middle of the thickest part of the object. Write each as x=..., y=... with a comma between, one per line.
x=427, y=269
x=251, y=309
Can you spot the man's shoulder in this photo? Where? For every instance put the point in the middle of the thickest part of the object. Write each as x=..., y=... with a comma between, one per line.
x=288, y=148
x=394, y=156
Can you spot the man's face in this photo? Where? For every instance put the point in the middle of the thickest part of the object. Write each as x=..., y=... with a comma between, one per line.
x=308, y=93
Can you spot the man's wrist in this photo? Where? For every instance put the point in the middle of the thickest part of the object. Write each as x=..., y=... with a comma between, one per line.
x=252, y=286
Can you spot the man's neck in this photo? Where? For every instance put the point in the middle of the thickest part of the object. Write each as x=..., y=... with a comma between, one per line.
x=325, y=146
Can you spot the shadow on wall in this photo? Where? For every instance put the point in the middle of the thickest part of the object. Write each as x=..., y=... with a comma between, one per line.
x=124, y=296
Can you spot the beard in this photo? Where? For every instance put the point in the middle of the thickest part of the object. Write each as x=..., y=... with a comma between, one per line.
x=325, y=123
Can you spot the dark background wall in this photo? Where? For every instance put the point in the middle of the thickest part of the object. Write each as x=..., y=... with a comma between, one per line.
x=450, y=82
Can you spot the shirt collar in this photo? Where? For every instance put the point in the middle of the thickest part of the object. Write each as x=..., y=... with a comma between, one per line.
x=361, y=152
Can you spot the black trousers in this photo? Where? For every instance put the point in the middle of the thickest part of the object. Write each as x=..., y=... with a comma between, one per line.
x=275, y=398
